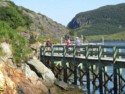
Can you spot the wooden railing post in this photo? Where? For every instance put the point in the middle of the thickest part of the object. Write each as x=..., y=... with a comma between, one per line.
x=100, y=70
x=114, y=54
x=99, y=53
x=87, y=69
x=105, y=79
x=86, y=52
x=88, y=78
x=120, y=57
x=120, y=80
x=52, y=60
x=94, y=70
x=42, y=54
x=115, y=69
x=64, y=64
x=75, y=65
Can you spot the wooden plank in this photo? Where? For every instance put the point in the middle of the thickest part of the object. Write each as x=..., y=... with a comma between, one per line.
x=100, y=80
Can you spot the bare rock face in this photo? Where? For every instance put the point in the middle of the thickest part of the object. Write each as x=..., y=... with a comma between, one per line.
x=13, y=81
x=2, y=79
x=36, y=45
x=62, y=84
x=34, y=79
x=45, y=26
x=36, y=48
x=3, y=3
x=7, y=50
x=43, y=72
x=26, y=80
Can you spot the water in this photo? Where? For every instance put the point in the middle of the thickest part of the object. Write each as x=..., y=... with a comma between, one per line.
x=110, y=83
x=116, y=43
x=109, y=70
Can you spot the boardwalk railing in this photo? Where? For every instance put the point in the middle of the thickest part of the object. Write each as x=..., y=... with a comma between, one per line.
x=113, y=53
x=90, y=62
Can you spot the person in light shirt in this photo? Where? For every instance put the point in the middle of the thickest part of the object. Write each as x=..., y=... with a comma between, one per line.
x=78, y=43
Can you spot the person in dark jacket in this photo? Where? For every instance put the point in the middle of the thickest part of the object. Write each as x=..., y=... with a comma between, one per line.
x=48, y=44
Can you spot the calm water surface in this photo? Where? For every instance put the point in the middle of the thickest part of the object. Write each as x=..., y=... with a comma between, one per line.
x=116, y=43
x=110, y=71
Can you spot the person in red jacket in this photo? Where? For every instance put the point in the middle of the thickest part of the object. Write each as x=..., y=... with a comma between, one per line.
x=68, y=43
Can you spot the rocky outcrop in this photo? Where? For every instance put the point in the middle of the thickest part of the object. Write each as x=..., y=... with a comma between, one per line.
x=6, y=49
x=3, y=4
x=36, y=48
x=62, y=84
x=42, y=71
x=24, y=80
x=2, y=79
x=13, y=81
x=44, y=25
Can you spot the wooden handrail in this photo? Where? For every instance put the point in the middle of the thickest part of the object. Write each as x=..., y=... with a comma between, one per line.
x=99, y=51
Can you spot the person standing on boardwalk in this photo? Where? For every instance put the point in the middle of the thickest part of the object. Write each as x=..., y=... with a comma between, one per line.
x=48, y=44
x=78, y=43
x=68, y=43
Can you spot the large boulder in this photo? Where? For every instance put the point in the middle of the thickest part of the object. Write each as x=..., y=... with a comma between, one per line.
x=33, y=77
x=42, y=71
x=36, y=45
x=36, y=48
x=62, y=84
x=13, y=81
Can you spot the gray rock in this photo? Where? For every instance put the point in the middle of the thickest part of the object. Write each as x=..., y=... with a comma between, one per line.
x=3, y=3
x=42, y=71
x=62, y=84
x=6, y=48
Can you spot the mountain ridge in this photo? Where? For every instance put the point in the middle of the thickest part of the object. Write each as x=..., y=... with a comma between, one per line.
x=106, y=20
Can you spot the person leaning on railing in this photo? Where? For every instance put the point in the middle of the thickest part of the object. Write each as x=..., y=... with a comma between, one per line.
x=78, y=43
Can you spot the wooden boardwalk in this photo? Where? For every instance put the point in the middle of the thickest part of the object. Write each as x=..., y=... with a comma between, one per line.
x=88, y=65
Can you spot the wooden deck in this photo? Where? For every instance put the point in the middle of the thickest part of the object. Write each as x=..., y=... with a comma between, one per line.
x=91, y=59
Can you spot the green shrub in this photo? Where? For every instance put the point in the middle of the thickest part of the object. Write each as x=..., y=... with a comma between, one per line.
x=13, y=16
x=19, y=43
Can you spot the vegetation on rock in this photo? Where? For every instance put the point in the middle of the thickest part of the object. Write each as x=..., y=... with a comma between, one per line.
x=21, y=27
x=18, y=42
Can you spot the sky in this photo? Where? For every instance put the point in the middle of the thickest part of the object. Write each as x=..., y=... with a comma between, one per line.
x=63, y=11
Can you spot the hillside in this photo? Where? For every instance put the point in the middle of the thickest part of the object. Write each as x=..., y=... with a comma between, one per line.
x=21, y=28
x=105, y=20
x=21, y=19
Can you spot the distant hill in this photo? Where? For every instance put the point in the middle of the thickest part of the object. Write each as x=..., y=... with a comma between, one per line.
x=105, y=20
x=23, y=20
